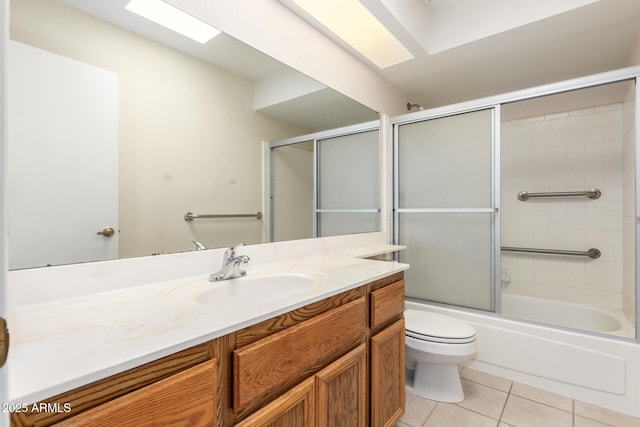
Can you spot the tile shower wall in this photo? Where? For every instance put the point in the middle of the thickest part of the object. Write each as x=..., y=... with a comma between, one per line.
x=292, y=188
x=569, y=151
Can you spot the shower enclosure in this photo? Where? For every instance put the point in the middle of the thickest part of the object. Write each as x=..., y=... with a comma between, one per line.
x=575, y=153
x=524, y=205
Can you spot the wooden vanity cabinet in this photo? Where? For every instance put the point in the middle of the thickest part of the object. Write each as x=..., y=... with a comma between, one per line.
x=351, y=346
x=336, y=362
x=295, y=408
x=335, y=396
x=323, y=343
x=387, y=386
x=264, y=368
x=387, y=375
x=341, y=391
x=180, y=389
x=186, y=398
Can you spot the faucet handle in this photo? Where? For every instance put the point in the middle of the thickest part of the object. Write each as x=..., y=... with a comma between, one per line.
x=243, y=259
x=230, y=253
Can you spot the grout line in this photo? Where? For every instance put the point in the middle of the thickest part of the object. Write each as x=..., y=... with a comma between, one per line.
x=430, y=413
x=486, y=385
x=471, y=410
x=544, y=404
x=595, y=420
x=505, y=403
x=510, y=393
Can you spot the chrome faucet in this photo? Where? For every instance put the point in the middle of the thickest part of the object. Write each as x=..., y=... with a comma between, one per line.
x=230, y=265
x=198, y=245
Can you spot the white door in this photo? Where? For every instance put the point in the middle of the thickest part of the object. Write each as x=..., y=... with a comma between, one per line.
x=63, y=146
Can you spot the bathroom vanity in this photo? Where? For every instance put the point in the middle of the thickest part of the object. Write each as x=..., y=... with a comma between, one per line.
x=338, y=360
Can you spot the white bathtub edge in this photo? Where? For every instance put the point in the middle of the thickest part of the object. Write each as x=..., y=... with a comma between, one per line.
x=596, y=370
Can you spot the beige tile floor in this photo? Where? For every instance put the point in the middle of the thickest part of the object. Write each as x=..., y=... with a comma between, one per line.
x=496, y=402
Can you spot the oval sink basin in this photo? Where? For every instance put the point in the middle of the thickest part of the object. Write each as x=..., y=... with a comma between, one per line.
x=265, y=287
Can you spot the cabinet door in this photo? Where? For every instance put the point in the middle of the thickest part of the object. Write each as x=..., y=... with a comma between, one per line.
x=341, y=391
x=293, y=409
x=387, y=375
x=186, y=398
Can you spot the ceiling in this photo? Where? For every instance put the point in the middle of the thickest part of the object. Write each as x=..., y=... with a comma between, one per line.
x=590, y=39
x=593, y=38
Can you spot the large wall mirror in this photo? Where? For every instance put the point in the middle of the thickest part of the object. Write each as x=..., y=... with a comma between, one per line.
x=117, y=123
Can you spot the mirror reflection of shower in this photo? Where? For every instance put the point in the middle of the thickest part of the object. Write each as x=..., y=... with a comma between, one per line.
x=325, y=184
x=561, y=147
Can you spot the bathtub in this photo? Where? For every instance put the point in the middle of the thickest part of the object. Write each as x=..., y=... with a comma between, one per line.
x=597, y=369
x=566, y=314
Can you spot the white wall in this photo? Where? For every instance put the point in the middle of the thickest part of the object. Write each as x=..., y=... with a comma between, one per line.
x=570, y=151
x=189, y=137
x=486, y=18
x=268, y=26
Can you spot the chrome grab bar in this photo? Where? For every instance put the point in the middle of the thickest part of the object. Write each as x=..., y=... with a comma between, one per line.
x=593, y=193
x=191, y=216
x=591, y=253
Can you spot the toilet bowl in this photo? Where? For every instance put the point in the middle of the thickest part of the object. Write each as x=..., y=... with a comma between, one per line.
x=435, y=344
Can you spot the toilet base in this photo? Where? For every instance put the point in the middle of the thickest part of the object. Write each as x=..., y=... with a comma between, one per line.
x=438, y=382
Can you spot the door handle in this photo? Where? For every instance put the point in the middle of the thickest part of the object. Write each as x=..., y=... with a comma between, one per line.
x=4, y=341
x=106, y=232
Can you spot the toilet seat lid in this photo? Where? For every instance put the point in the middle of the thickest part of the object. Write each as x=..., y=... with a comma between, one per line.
x=428, y=326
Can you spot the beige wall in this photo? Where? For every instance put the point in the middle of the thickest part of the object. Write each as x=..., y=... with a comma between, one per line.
x=634, y=54
x=189, y=138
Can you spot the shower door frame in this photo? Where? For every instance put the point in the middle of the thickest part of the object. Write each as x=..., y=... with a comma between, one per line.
x=495, y=188
x=315, y=138
x=637, y=204
x=624, y=74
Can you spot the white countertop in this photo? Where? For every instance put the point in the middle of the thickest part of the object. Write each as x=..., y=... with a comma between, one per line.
x=63, y=344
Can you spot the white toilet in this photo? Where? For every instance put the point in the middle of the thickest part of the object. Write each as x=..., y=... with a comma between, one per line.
x=435, y=345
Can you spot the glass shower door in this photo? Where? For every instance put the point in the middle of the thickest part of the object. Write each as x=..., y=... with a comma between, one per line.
x=348, y=184
x=291, y=191
x=445, y=208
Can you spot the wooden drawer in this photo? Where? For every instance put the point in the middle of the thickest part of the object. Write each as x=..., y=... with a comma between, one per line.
x=386, y=304
x=276, y=362
x=186, y=398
